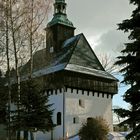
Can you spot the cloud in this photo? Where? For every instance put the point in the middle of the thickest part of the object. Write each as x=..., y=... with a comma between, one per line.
x=98, y=20
x=95, y=16
x=111, y=42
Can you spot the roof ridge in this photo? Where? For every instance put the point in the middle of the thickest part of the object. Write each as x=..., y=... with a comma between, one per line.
x=78, y=37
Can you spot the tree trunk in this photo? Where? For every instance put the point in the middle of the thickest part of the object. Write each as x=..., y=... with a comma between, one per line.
x=133, y=110
x=18, y=135
x=51, y=134
x=15, y=50
x=32, y=135
x=8, y=67
x=25, y=135
x=16, y=62
x=31, y=41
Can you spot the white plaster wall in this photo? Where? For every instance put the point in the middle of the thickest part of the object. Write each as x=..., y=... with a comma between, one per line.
x=94, y=106
x=57, y=100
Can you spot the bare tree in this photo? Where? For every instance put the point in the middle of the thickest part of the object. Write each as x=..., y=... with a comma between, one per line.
x=15, y=25
x=23, y=22
x=116, y=117
x=34, y=20
x=2, y=33
x=8, y=63
x=37, y=11
x=108, y=63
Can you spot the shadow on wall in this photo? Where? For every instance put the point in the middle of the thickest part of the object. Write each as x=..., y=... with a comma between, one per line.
x=116, y=136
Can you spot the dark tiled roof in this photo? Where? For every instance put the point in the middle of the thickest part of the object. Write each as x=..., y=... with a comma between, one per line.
x=89, y=71
x=76, y=55
x=44, y=64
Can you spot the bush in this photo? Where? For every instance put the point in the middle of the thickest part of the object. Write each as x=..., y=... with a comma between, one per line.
x=94, y=129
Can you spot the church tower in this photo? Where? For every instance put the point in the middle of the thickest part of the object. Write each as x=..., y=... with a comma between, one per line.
x=59, y=27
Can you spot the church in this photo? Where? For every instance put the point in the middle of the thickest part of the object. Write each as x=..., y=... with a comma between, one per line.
x=77, y=83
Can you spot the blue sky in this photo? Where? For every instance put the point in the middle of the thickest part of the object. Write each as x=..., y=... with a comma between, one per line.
x=118, y=98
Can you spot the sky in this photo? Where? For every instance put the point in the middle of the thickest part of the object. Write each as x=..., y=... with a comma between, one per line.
x=98, y=20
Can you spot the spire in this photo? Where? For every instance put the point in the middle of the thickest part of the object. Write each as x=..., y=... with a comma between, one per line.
x=60, y=7
x=60, y=16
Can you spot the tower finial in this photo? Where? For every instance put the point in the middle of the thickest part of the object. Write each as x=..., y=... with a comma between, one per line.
x=60, y=16
x=59, y=0
x=60, y=7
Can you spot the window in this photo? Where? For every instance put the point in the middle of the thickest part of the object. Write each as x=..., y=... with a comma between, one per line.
x=76, y=120
x=51, y=49
x=82, y=103
x=87, y=93
x=89, y=119
x=59, y=118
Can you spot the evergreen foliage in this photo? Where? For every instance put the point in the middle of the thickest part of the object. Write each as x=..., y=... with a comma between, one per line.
x=35, y=113
x=130, y=61
x=94, y=129
x=3, y=99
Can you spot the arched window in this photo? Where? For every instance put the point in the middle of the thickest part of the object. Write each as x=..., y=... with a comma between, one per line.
x=76, y=120
x=81, y=103
x=59, y=118
x=89, y=119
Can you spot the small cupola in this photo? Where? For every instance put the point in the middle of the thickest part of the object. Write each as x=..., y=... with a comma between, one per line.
x=60, y=16
x=60, y=7
x=60, y=26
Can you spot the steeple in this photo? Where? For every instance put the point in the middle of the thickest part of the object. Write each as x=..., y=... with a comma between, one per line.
x=60, y=16
x=60, y=7
x=60, y=27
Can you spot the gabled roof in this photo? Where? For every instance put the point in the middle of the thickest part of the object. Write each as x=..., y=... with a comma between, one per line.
x=76, y=55
x=44, y=64
x=84, y=56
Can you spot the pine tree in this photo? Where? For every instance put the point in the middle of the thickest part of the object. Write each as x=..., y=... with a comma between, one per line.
x=130, y=61
x=35, y=112
x=3, y=99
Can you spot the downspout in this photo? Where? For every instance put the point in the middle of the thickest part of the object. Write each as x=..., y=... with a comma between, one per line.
x=63, y=90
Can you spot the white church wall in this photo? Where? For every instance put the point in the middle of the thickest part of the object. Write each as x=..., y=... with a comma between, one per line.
x=57, y=99
x=75, y=114
x=94, y=106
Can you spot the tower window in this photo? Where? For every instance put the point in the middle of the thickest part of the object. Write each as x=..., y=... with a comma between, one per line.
x=76, y=120
x=59, y=118
x=59, y=8
x=82, y=103
x=63, y=7
x=51, y=49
